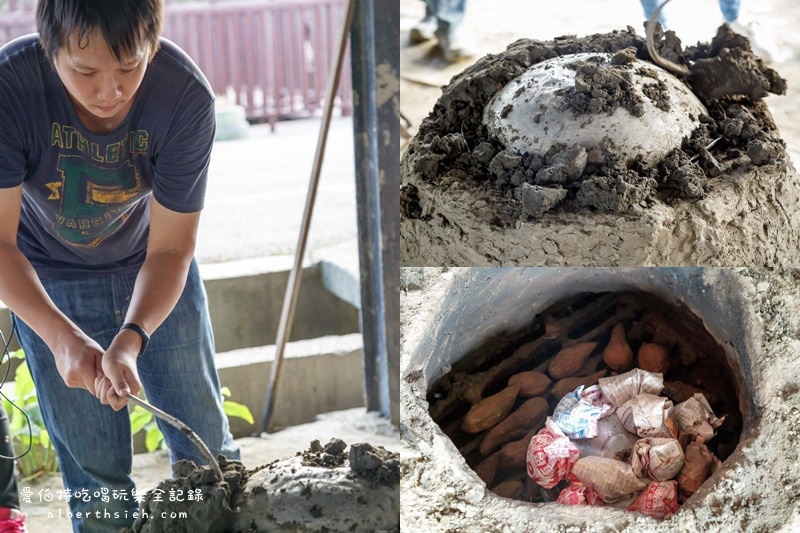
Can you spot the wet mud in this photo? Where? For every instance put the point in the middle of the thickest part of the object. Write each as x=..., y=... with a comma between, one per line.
x=724, y=74
x=324, y=488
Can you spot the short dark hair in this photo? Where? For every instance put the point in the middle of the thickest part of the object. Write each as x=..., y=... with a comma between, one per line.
x=125, y=24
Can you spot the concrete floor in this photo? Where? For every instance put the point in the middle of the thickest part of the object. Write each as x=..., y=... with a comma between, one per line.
x=494, y=27
x=257, y=190
x=352, y=426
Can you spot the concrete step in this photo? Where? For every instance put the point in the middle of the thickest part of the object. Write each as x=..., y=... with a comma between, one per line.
x=323, y=369
x=318, y=375
x=245, y=298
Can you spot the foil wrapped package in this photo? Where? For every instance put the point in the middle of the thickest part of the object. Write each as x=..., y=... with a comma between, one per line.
x=578, y=412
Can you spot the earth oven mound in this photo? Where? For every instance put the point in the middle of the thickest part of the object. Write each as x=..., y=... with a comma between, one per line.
x=697, y=363
x=491, y=323
x=580, y=151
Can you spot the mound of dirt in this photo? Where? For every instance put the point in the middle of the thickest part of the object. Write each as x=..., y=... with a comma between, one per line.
x=324, y=488
x=454, y=144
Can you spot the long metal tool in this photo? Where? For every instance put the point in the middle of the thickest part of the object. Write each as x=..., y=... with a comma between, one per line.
x=183, y=427
x=662, y=62
x=290, y=297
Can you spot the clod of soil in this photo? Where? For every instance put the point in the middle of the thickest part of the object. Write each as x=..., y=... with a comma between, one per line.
x=324, y=488
x=453, y=144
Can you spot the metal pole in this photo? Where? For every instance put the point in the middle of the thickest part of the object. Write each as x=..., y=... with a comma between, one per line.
x=290, y=297
x=376, y=128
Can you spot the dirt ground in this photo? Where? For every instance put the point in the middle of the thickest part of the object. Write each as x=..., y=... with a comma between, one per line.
x=423, y=71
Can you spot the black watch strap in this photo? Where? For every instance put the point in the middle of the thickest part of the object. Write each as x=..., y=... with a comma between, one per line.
x=142, y=333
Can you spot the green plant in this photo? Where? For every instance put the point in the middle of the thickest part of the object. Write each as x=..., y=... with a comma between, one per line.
x=143, y=420
x=42, y=456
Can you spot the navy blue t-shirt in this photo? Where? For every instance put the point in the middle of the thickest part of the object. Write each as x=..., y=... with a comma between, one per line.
x=86, y=197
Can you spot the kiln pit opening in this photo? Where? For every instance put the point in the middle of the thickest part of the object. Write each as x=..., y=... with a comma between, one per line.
x=500, y=395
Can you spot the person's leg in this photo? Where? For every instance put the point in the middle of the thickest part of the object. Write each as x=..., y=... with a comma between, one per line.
x=650, y=6
x=179, y=376
x=430, y=8
x=450, y=13
x=9, y=491
x=11, y=518
x=730, y=9
x=453, y=41
x=92, y=441
x=425, y=28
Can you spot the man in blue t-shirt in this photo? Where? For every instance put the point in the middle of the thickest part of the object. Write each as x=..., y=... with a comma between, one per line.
x=105, y=137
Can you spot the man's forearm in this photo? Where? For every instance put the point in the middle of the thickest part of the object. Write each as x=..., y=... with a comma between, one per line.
x=158, y=287
x=22, y=291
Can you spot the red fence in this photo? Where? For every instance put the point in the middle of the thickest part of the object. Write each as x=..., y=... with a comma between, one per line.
x=270, y=56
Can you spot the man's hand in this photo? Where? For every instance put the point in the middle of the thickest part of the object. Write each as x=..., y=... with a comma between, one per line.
x=119, y=376
x=78, y=360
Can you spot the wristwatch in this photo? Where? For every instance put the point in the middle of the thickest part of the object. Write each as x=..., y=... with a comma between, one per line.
x=142, y=333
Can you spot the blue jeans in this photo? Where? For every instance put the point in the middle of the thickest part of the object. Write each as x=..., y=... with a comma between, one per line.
x=650, y=8
x=177, y=371
x=729, y=9
x=448, y=13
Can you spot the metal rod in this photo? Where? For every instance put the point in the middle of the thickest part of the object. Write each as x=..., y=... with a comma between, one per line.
x=651, y=46
x=192, y=436
x=290, y=296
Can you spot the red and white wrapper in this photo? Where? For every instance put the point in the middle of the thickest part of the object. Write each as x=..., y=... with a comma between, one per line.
x=658, y=500
x=551, y=455
x=579, y=494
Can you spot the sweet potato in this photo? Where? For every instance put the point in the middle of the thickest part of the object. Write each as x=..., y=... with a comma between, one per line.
x=528, y=416
x=590, y=366
x=570, y=359
x=653, y=358
x=511, y=488
x=567, y=385
x=618, y=354
x=489, y=411
x=514, y=454
x=531, y=383
x=487, y=468
x=696, y=468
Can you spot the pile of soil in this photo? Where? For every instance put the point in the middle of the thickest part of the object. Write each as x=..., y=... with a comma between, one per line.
x=324, y=488
x=454, y=144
